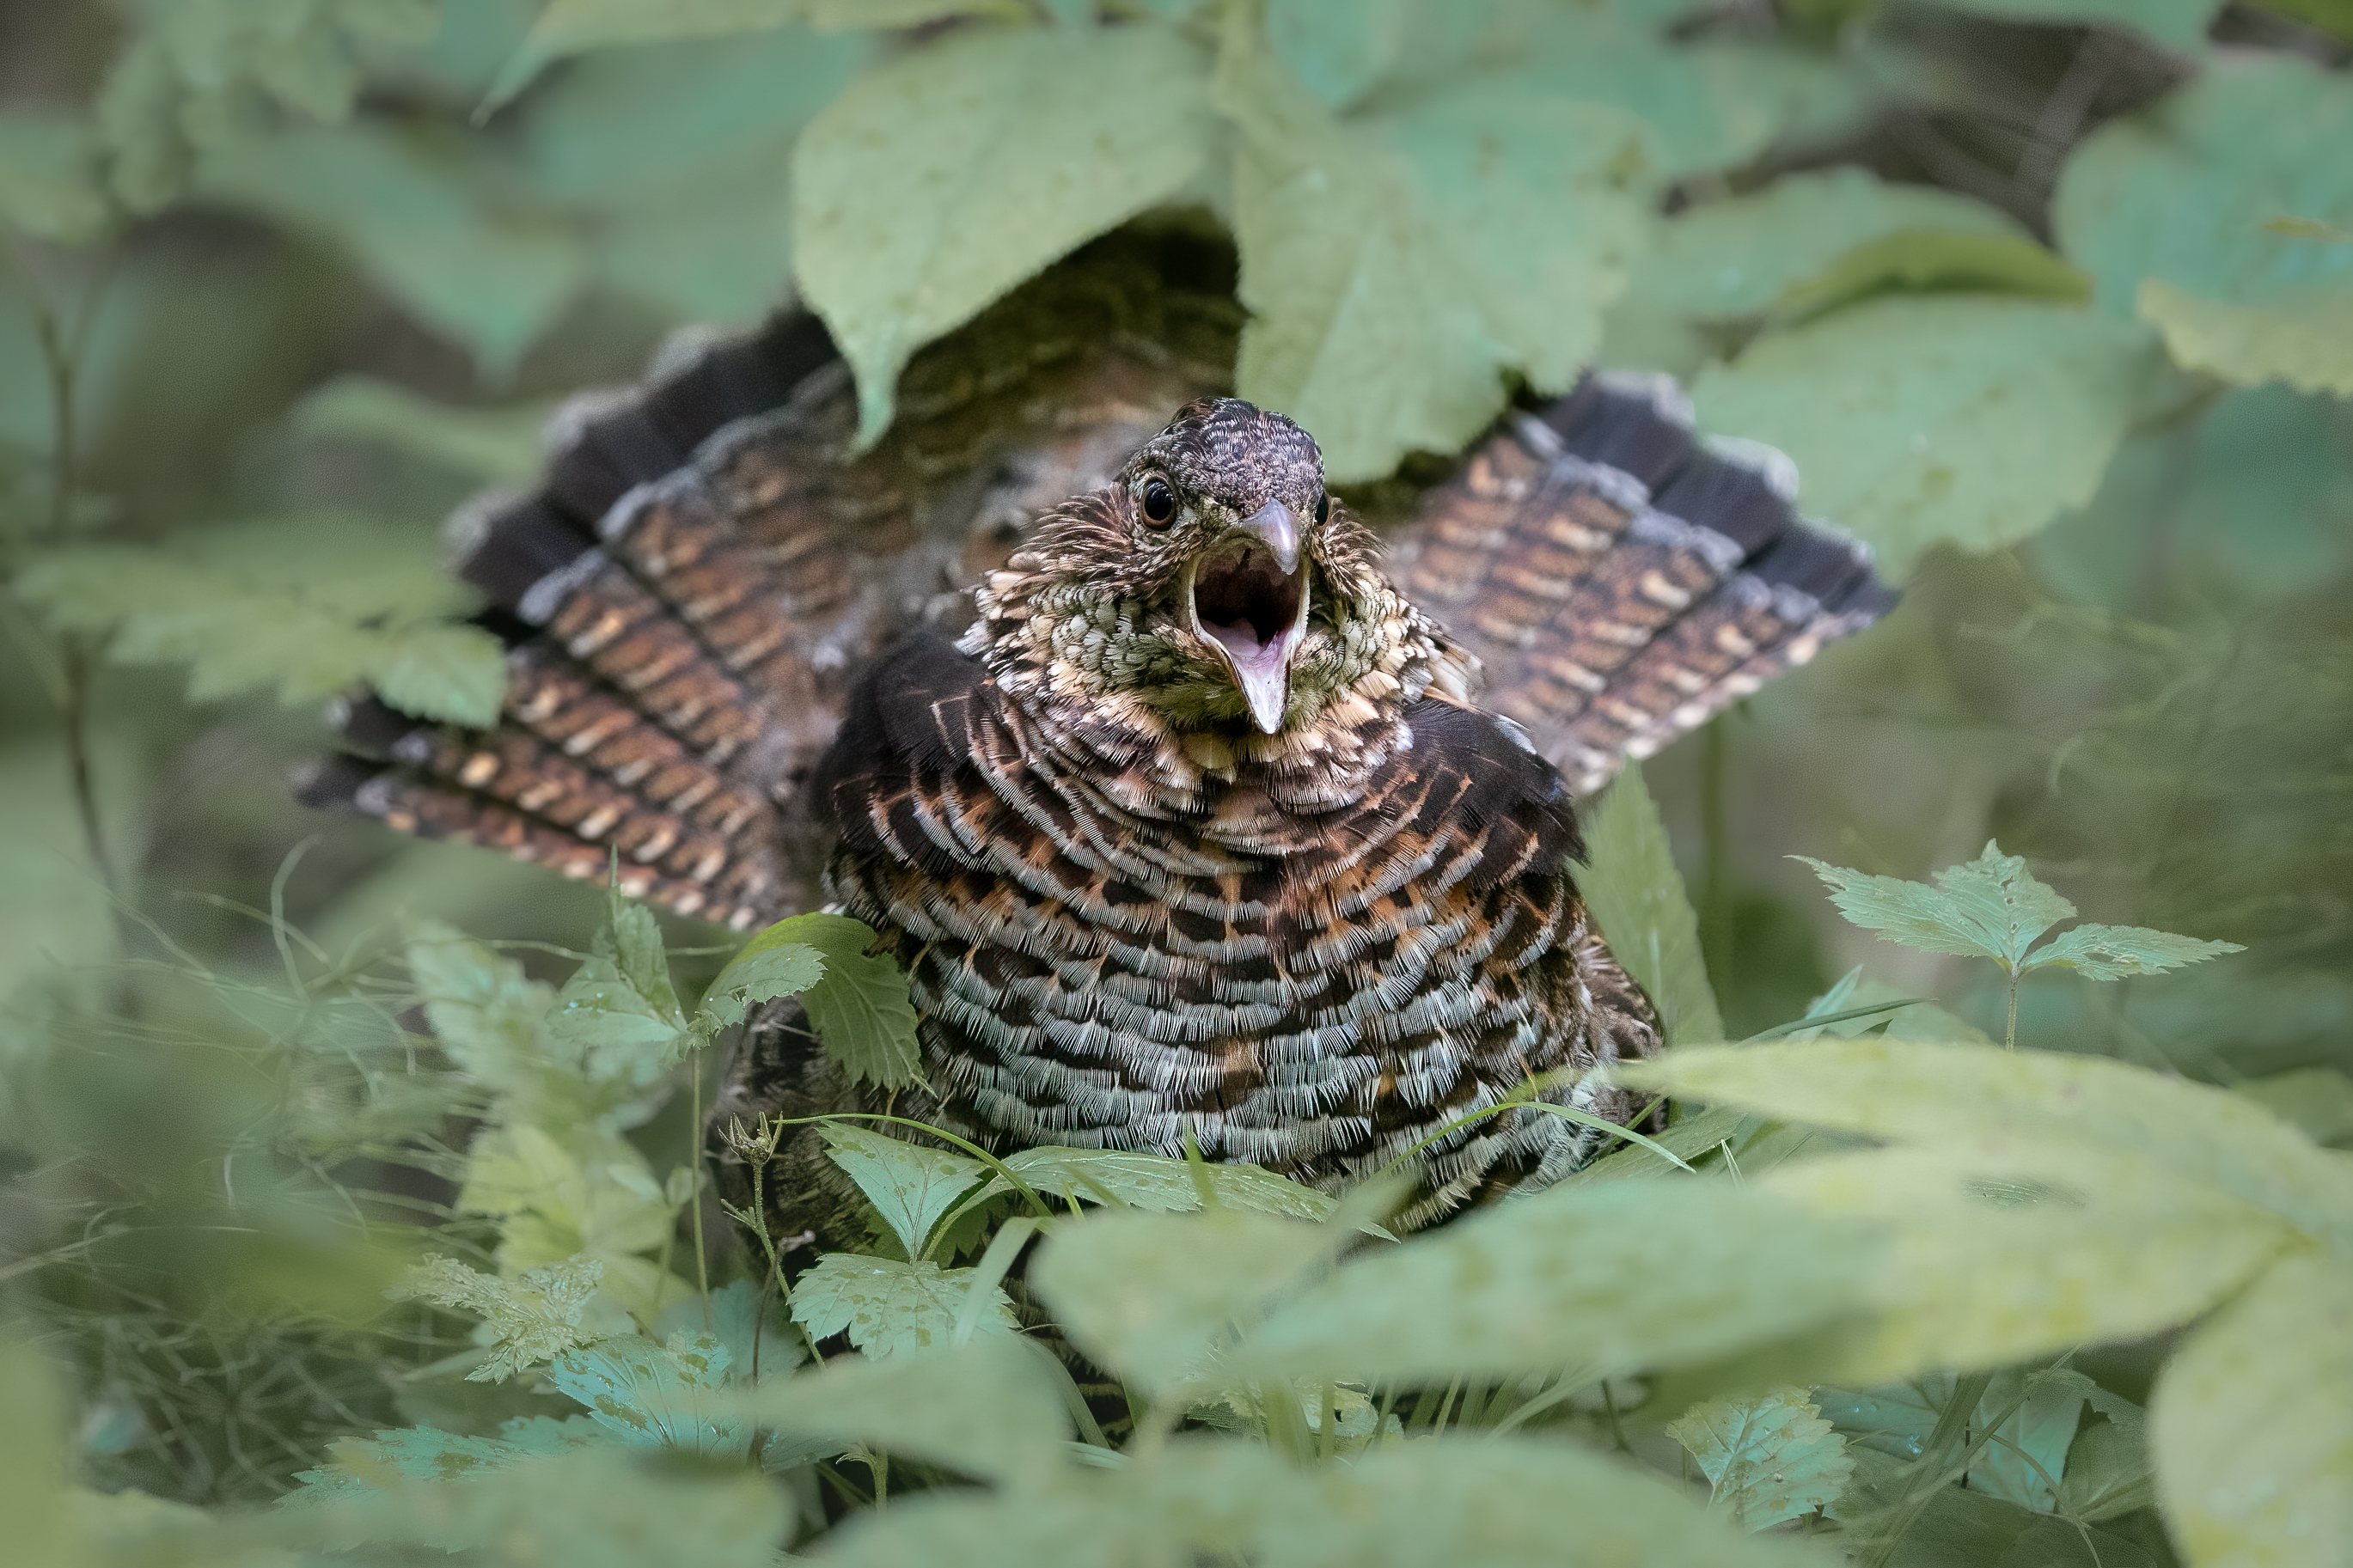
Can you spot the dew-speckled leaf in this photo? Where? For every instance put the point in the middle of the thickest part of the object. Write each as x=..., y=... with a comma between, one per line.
x=943, y=176
x=2113, y=952
x=987, y=1407
x=1609, y=1276
x=1125, y=1178
x=910, y=1186
x=2178, y=23
x=1395, y=266
x=886, y=1306
x=1630, y=884
x=1972, y=420
x=1728, y=261
x=1991, y=906
x=2252, y=1423
x=1154, y=1297
x=1767, y=1458
x=2303, y=337
x=2189, y=190
x=1908, y=1091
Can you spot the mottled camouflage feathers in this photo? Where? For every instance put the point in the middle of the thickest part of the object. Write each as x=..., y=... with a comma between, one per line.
x=1195, y=806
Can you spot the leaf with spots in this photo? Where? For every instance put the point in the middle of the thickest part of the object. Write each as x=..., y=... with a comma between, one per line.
x=1767, y=1458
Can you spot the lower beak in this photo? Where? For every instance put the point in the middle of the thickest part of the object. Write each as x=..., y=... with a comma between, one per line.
x=1248, y=598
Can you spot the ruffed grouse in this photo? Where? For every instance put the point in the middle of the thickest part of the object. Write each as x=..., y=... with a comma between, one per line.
x=1183, y=816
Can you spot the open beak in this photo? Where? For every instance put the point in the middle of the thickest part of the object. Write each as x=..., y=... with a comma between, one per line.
x=1247, y=597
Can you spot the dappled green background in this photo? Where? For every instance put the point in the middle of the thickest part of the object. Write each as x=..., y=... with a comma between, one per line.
x=2052, y=302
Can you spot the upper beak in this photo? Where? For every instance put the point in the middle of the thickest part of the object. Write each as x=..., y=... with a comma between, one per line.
x=1279, y=530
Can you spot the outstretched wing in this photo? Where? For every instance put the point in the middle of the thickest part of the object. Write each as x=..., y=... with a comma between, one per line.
x=691, y=590
x=1621, y=580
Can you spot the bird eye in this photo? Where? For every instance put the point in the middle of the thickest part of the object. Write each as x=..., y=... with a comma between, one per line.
x=1159, y=503
x=1323, y=508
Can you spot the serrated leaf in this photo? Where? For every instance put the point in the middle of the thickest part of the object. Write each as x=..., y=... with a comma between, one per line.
x=312, y=607
x=858, y=1007
x=657, y=1395
x=1769, y=1458
x=1122, y=1178
x=1587, y=1275
x=1395, y=267
x=761, y=971
x=494, y=444
x=2185, y=192
x=1917, y=420
x=986, y=1407
x=887, y=1307
x=532, y=1317
x=1728, y=260
x=1991, y=906
x=2252, y=1423
x=1630, y=884
x=1910, y=1092
x=2303, y=337
x=910, y=1186
x=2113, y=952
x=904, y=186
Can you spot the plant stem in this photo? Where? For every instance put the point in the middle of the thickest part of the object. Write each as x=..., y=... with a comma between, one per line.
x=2010, y=1032
x=694, y=1168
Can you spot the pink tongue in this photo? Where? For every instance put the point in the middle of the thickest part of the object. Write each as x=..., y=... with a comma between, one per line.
x=1260, y=668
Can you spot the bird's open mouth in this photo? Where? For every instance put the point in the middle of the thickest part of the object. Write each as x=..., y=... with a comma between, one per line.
x=1249, y=607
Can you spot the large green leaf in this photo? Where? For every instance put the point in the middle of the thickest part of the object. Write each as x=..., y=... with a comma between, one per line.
x=887, y=1307
x=1607, y=1277
x=947, y=175
x=1965, y=419
x=1395, y=268
x=989, y=1407
x=1631, y=886
x=1729, y=261
x=311, y=606
x=2252, y=1423
x=1909, y=1091
x=2178, y=211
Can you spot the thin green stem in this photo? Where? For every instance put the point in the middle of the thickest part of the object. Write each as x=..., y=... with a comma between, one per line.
x=694, y=1169
x=2009, y=1030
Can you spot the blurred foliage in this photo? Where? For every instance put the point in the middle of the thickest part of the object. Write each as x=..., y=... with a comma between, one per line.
x=2053, y=302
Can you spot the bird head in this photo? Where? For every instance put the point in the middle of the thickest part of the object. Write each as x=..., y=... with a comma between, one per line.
x=1214, y=579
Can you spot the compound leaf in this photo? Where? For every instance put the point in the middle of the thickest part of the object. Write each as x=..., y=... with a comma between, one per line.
x=1987, y=908
x=858, y=1005
x=887, y=1307
x=532, y=1317
x=657, y=1395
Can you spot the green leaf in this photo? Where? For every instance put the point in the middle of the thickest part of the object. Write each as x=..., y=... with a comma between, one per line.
x=657, y=1395
x=1122, y=1178
x=32, y=1459
x=1061, y=1527
x=491, y=445
x=858, y=1007
x=2180, y=24
x=1593, y=1275
x=1908, y=1091
x=1153, y=1296
x=2108, y=1473
x=1922, y=261
x=910, y=1186
x=1916, y=1021
x=2320, y=1101
x=1769, y=1458
x=2331, y=16
x=428, y=1454
x=1635, y=893
x=312, y=607
x=2252, y=1422
x=2025, y=1454
x=2113, y=952
x=765, y=968
x=888, y=1307
x=425, y=225
x=987, y=1407
x=532, y=1317
x=1991, y=906
x=1964, y=420
x=1728, y=261
x=597, y=1200
x=1395, y=267
x=50, y=186
x=946, y=175
x=2303, y=337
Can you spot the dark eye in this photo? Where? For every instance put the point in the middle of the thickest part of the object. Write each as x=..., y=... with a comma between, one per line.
x=1159, y=503
x=1323, y=508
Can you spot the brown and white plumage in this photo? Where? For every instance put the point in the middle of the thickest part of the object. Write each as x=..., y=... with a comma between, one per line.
x=1188, y=820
